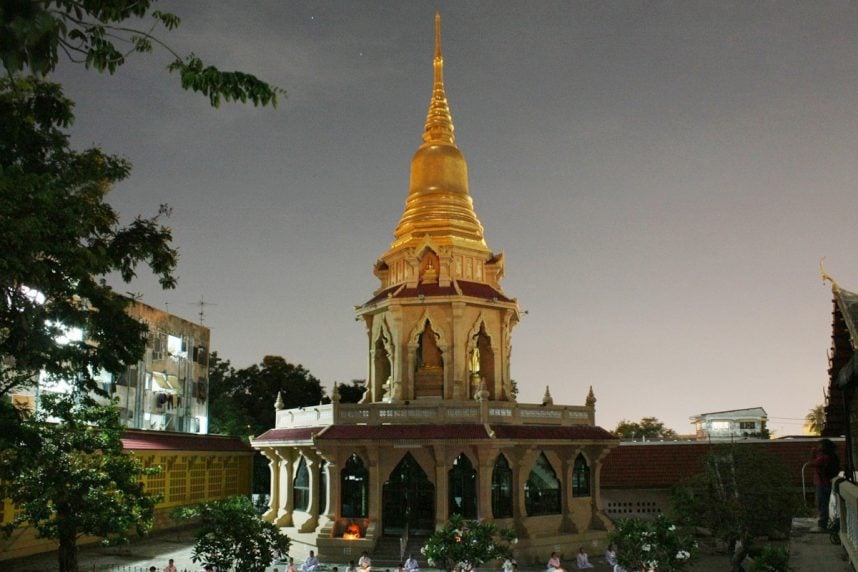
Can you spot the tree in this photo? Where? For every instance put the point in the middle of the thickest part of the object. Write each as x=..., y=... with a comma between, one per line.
x=241, y=402
x=647, y=428
x=232, y=536
x=97, y=34
x=659, y=544
x=743, y=493
x=60, y=241
x=72, y=477
x=352, y=393
x=814, y=421
x=467, y=543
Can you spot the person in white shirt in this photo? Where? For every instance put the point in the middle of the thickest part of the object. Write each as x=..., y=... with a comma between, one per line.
x=583, y=560
x=365, y=563
x=311, y=563
x=411, y=564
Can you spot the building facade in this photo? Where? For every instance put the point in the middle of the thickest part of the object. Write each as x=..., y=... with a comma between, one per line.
x=730, y=425
x=439, y=431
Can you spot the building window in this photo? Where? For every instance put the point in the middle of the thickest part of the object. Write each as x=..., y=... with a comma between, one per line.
x=354, y=489
x=323, y=487
x=463, y=488
x=747, y=425
x=720, y=425
x=502, y=489
x=581, y=477
x=301, y=487
x=542, y=489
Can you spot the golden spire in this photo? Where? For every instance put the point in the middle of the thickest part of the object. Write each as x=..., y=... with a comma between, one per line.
x=439, y=122
x=835, y=287
x=438, y=202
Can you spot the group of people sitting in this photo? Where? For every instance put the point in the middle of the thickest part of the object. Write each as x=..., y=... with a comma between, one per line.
x=364, y=564
x=582, y=561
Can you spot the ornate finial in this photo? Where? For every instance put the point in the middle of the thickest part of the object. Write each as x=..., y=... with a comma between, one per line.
x=547, y=399
x=591, y=398
x=335, y=394
x=439, y=122
x=279, y=405
x=825, y=276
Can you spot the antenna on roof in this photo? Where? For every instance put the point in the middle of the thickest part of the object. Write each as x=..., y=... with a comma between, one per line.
x=202, y=304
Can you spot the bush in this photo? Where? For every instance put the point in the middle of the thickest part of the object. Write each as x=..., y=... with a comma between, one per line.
x=653, y=545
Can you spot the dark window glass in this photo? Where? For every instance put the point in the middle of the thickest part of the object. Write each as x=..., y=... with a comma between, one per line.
x=542, y=489
x=463, y=488
x=301, y=487
x=502, y=489
x=581, y=478
x=323, y=487
x=354, y=489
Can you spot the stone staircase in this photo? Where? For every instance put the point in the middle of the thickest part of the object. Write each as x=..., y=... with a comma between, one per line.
x=386, y=553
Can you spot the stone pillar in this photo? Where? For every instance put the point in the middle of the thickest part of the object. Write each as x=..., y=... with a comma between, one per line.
x=599, y=520
x=274, y=468
x=313, y=509
x=486, y=465
x=332, y=501
x=376, y=482
x=567, y=524
x=442, y=487
x=286, y=498
x=520, y=472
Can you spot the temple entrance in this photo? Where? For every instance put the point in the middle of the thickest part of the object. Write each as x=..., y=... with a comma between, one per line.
x=408, y=500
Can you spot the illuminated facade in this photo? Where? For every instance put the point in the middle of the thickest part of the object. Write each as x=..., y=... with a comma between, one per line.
x=439, y=431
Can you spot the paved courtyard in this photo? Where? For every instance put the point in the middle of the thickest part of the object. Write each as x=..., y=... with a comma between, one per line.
x=809, y=553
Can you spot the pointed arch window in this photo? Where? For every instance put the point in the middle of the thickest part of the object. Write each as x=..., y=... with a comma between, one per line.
x=463, y=487
x=354, y=488
x=542, y=489
x=301, y=487
x=323, y=487
x=581, y=477
x=501, y=488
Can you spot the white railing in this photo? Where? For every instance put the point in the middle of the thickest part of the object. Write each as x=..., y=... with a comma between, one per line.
x=436, y=412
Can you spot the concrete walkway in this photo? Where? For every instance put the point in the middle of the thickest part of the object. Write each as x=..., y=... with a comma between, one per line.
x=809, y=552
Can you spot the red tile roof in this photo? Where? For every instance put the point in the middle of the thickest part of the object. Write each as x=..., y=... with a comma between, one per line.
x=566, y=433
x=300, y=434
x=135, y=440
x=479, y=290
x=662, y=465
x=429, y=432
x=426, y=290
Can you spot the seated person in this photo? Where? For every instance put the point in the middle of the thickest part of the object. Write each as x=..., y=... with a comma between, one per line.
x=291, y=566
x=554, y=563
x=311, y=563
x=365, y=563
x=411, y=564
x=611, y=555
x=583, y=560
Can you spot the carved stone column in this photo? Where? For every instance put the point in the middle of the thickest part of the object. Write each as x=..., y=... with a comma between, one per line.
x=442, y=486
x=313, y=508
x=287, y=501
x=274, y=469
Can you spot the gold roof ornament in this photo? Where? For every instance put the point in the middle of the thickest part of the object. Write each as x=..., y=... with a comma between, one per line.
x=825, y=276
x=591, y=398
x=438, y=203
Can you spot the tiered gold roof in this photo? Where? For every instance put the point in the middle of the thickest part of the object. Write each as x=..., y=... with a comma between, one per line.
x=438, y=202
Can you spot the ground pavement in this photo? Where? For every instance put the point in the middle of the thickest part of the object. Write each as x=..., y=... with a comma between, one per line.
x=810, y=552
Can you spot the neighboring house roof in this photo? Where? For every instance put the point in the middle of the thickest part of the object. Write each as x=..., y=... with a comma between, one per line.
x=734, y=413
x=662, y=465
x=136, y=440
x=438, y=432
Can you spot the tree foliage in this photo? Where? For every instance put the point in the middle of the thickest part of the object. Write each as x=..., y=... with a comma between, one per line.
x=352, y=393
x=468, y=544
x=101, y=34
x=241, y=402
x=72, y=477
x=814, y=421
x=744, y=493
x=653, y=545
x=646, y=428
x=60, y=240
x=232, y=536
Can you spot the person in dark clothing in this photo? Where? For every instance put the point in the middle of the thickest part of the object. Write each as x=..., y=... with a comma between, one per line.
x=825, y=465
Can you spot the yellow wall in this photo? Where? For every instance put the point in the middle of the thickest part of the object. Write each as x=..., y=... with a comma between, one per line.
x=186, y=478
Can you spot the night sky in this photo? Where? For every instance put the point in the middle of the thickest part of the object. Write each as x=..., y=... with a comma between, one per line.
x=664, y=178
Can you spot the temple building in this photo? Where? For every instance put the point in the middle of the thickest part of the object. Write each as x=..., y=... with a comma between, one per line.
x=439, y=430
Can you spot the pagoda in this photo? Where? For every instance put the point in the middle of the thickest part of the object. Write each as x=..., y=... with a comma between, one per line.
x=438, y=431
